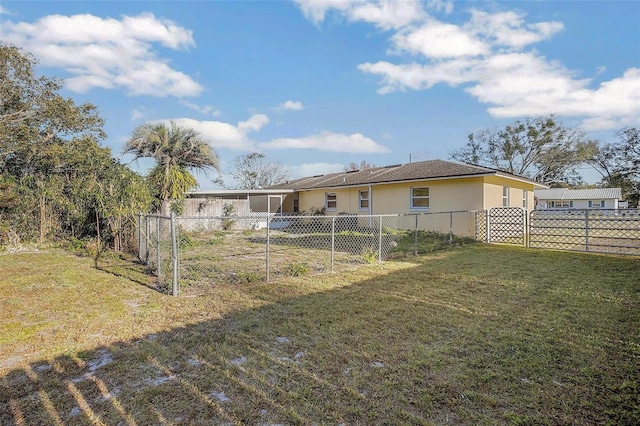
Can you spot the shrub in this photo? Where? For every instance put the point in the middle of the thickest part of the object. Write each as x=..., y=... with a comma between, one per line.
x=370, y=254
x=297, y=269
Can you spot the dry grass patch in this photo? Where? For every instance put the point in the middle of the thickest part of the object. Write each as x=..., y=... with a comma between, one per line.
x=472, y=335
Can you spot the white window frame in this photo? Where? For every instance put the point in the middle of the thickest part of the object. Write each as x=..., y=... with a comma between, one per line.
x=596, y=204
x=505, y=196
x=525, y=198
x=361, y=199
x=327, y=200
x=419, y=197
x=561, y=204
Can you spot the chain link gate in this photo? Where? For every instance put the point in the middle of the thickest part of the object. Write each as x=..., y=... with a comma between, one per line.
x=507, y=225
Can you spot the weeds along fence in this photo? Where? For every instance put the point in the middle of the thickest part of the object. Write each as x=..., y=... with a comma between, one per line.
x=190, y=253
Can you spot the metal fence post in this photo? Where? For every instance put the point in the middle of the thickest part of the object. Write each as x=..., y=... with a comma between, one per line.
x=450, y=228
x=140, y=236
x=586, y=230
x=174, y=254
x=380, y=241
x=415, y=238
x=158, y=247
x=147, y=231
x=267, y=248
x=526, y=228
x=333, y=240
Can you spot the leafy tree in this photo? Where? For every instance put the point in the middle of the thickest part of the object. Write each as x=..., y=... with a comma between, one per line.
x=175, y=150
x=540, y=148
x=32, y=112
x=355, y=166
x=55, y=174
x=254, y=171
x=619, y=164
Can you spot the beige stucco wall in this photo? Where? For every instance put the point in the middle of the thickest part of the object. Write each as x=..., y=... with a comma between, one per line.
x=444, y=196
x=493, y=192
x=447, y=195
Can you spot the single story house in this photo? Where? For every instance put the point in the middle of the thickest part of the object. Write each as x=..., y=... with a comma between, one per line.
x=563, y=198
x=418, y=187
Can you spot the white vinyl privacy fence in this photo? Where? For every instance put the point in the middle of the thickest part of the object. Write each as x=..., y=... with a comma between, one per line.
x=195, y=252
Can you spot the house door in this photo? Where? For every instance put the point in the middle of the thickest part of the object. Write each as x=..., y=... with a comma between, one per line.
x=507, y=225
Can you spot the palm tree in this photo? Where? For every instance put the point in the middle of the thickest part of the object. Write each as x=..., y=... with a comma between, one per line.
x=175, y=149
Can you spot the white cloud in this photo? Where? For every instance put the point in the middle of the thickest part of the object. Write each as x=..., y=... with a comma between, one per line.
x=417, y=76
x=440, y=6
x=439, y=40
x=327, y=141
x=108, y=53
x=292, y=105
x=254, y=123
x=314, y=169
x=202, y=109
x=385, y=14
x=509, y=28
x=225, y=135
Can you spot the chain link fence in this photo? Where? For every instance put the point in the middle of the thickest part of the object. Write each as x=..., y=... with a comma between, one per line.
x=158, y=249
x=592, y=230
x=202, y=251
x=192, y=253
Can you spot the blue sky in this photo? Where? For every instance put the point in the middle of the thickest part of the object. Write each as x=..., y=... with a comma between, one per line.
x=319, y=84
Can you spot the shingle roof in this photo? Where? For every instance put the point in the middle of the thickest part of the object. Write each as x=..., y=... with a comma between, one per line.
x=578, y=194
x=431, y=169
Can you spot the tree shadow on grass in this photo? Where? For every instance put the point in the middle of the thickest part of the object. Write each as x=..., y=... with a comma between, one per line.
x=418, y=346
x=134, y=272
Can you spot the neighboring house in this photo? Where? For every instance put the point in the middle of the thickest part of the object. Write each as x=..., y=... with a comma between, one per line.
x=420, y=187
x=563, y=198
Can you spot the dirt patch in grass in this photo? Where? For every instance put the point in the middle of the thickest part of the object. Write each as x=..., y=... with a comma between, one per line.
x=471, y=335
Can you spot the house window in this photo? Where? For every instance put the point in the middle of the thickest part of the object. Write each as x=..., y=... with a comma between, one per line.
x=420, y=197
x=561, y=204
x=596, y=204
x=330, y=201
x=525, y=199
x=296, y=205
x=363, y=200
x=505, y=196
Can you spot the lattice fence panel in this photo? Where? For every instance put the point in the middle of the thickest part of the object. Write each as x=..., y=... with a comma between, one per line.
x=507, y=225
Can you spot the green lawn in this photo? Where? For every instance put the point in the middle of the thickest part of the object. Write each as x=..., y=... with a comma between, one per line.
x=470, y=335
